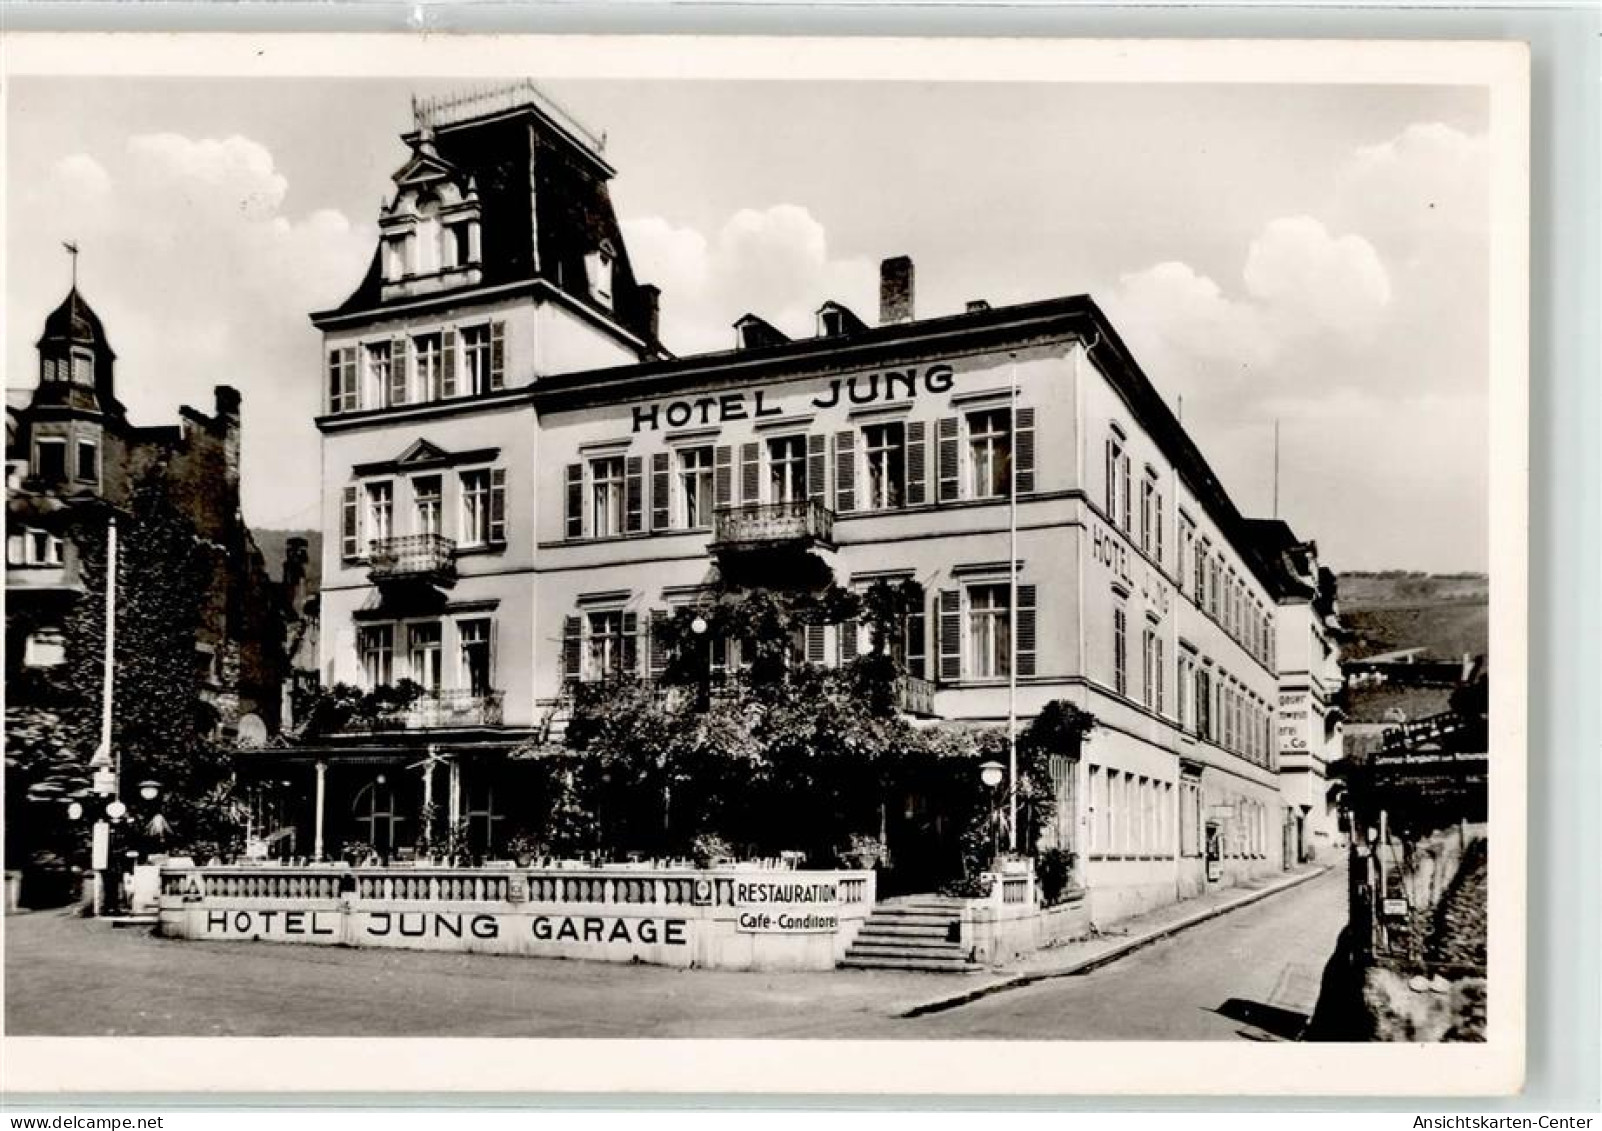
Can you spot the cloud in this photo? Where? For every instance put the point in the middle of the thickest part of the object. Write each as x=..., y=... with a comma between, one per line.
x=1312, y=281
x=773, y=262
x=202, y=278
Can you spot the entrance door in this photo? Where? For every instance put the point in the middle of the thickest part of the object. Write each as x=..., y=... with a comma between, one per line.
x=1215, y=852
x=377, y=817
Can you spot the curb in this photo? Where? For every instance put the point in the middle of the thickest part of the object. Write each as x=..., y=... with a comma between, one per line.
x=1112, y=954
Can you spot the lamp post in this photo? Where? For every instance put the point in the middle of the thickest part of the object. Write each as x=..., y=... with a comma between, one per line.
x=991, y=773
x=703, y=691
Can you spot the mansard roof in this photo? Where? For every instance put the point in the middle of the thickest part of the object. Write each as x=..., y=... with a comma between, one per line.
x=76, y=323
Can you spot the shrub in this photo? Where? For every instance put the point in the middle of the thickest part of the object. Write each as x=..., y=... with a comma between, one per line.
x=1054, y=868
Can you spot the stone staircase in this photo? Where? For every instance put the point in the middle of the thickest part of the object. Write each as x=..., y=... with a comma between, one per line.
x=911, y=933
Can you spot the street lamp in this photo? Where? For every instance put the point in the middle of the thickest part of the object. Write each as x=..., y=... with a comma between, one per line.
x=991, y=774
x=149, y=790
x=703, y=696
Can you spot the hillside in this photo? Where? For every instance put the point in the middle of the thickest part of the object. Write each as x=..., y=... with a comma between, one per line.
x=1445, y=614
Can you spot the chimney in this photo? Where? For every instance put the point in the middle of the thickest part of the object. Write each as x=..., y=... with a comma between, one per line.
x=976, y=305
x=650, y=310
x=895, y=290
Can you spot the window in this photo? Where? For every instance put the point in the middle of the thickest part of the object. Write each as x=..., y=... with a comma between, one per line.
x=990, y=452
x=1148, y=510
x=1157, y=673
x=473, y=639
x=83, y=368
x=397, y=257
x=989, y=630
x=695, y=487
x=1148, y=667
x=50, y=459
x=885, y=448
x=1187, y=549
x=45, y=648
x=1204, y=703
x=476, y=507
x=1185, y=697
x=458, y=247
x=423, y=659
x=606, y=496
x=29, y=547
x=598, y=265
x=88, y=461
x=477, y=356
x=377, y=643
x=428, y=503
x=378, y=371
x=1120, y=650
x=1115, y=459
x=429, y=366
x=787, y=469
x=380, y=512
x=1098, y=809
x=604, y=655
x=343, y=393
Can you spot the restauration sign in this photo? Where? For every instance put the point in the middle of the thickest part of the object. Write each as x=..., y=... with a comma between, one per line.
x=786, y=907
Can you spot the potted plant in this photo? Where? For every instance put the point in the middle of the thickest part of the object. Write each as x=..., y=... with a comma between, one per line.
x=864, y=853
x=709, y=849
x=524, y=848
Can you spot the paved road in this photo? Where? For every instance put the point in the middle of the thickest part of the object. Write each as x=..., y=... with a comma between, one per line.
x=68, y=976
x=1252, y=974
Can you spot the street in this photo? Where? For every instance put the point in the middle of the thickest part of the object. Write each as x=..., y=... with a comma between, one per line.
x=1250, y=974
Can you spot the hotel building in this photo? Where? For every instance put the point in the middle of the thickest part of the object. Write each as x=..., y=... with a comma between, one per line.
x=519, y=480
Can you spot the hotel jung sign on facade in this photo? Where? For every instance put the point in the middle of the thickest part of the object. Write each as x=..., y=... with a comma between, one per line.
x=752, y=404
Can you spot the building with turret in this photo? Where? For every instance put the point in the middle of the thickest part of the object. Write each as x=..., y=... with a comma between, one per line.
x=73, y=459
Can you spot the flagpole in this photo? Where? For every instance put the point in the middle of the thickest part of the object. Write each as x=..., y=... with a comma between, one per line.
x=1012, y=610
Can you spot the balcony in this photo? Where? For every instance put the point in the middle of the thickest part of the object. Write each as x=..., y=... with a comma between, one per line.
x=915, y=696
x=803, y=523
x=428, y=559
x=437, y=710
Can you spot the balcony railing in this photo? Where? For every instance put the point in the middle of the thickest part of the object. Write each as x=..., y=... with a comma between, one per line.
x=765, y=525
x=438, y=709
x=915, y=696
x=429, y=558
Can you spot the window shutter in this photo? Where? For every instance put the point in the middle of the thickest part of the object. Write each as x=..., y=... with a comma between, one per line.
x=634, y=494
x=845, y=472
x=399, y=357
x=950, y=635
x=1026, y=630
x=723, y=475
x=572, y=648
x=350, y=534
x=575, y=500
x=661, y=492
x=814, y=643
x=848, y=641
x=1024, y=443
x=917, y=643
x=658, y=643
x=948, y=458
x=447, y=381
x=631, y=644
x=818, y=468
x=497, y=373
x=917, y=468
x=497, y=505
x=1125, y=492
x=750, y=472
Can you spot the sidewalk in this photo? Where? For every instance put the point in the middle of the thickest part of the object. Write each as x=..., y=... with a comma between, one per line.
x=1085, y=955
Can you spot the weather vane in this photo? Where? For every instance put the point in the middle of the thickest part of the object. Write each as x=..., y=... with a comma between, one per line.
x=72, y=250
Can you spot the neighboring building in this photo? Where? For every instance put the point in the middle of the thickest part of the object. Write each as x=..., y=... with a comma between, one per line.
x=519, y=479
x=1311, y=690
x=72, y=457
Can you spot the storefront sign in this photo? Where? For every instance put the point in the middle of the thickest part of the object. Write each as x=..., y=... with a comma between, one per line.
x=1293, y=721
x=787, y=908
x=871, y=388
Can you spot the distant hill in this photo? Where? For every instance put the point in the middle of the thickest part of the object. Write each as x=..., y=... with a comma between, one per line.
x=272, y=543
x=1444, y=614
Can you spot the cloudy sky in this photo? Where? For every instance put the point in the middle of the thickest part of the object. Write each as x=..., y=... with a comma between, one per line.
x=1316, y=255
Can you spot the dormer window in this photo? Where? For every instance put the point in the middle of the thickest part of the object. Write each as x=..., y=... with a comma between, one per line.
x=397, y=257
x=598, y=265
x=83, y=367
x=458, y=245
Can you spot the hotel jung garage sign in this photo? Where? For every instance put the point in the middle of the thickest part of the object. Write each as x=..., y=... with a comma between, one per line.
x=753, y=404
